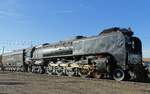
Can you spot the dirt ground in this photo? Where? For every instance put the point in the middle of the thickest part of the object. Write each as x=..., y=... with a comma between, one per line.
x=27, y=83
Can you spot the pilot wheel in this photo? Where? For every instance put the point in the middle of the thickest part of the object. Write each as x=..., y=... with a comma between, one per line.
x=118, y=74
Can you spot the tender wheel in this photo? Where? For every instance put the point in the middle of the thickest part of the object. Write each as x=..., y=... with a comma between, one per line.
x=97, y=75
x=118, y=74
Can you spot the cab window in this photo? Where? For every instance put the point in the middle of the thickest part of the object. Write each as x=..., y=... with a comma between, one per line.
x=135, y=45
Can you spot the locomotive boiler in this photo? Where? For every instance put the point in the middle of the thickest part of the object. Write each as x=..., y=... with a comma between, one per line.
x=114, y=53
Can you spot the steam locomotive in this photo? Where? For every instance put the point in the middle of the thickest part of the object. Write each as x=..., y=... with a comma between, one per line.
x=114, y=53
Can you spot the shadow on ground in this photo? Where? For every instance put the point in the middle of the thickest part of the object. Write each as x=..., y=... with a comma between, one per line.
x=11, y=83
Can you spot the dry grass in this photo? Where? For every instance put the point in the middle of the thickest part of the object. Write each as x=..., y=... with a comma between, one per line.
x=26, y=83
x=146, y=59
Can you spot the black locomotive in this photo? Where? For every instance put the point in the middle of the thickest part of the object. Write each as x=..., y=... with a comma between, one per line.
x=114, y=53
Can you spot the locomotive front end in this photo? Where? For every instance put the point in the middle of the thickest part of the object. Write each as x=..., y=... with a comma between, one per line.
x=134, y=59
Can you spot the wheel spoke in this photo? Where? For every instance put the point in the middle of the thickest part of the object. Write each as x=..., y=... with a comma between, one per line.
x=59, y=71
x=49, y=70
x=70, y=72
x=84, y=73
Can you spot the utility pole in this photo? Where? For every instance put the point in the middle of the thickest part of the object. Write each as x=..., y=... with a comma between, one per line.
x=31, y=42
x=3, y=49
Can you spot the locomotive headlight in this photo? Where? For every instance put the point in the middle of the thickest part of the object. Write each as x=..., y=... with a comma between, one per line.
x=133, y=45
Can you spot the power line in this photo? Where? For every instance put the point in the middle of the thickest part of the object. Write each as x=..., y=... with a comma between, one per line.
x=10, y=45
x=22, y=43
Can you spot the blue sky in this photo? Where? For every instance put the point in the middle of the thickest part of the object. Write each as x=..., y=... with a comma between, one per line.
x=39, y=21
